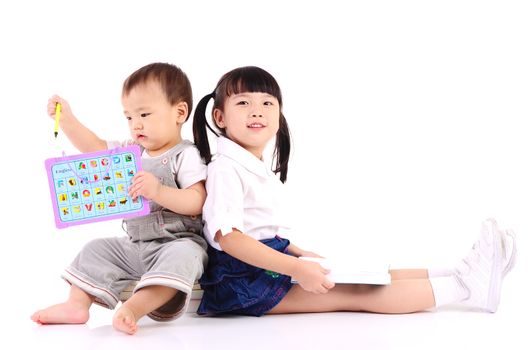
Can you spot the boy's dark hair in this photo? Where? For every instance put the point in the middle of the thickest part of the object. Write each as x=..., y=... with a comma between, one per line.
x=240, y=80
x=172, y=79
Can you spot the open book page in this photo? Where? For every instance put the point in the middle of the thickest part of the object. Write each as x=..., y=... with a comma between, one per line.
x=354, y=272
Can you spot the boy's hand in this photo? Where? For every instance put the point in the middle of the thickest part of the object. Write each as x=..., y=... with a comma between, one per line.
x=311, y=276
x=144, y=184
x=66, y=111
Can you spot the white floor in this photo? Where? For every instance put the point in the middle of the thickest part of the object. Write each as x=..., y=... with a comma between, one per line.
x=442, y=329
x=424, y=101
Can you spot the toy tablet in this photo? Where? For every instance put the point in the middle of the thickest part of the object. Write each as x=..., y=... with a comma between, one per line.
x=93, y=187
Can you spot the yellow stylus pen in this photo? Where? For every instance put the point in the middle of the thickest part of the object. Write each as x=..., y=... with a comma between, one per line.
x=57, y=118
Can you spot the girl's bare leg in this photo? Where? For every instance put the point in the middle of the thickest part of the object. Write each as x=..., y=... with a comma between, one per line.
x=409, y=274
x=402, y=296
x=141, y=303
x=74, y=311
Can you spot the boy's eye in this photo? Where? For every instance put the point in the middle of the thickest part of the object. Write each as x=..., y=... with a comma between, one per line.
x=143, y=115
x=128, y=118
x=242, y=103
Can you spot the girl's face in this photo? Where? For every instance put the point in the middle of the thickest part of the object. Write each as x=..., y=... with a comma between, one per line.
x=250, y=119
x=153, y=122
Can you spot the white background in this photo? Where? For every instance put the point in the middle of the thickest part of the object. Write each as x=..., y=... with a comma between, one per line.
x=408, y=117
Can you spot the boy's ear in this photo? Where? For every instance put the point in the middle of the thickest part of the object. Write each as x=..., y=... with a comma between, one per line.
x=182, y=111
x=219, y=118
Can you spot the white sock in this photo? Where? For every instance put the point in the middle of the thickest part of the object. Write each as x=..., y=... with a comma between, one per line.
x=437, y=272
x=448, y=290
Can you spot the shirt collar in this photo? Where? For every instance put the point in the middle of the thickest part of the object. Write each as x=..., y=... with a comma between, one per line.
x=239, y=154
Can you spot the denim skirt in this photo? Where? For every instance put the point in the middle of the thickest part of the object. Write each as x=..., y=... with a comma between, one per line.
x=233, y=287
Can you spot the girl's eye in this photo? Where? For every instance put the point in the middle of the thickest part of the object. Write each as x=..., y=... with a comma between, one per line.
x=243, y=103
x=128, y=118
x=268, y=103
x=144, y=115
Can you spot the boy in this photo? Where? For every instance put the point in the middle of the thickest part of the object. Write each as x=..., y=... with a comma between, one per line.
x=165, y=250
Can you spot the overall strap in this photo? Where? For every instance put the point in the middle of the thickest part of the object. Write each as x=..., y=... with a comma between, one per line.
x=179, y=148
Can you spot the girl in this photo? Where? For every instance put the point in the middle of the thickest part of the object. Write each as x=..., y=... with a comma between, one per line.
x=251, y=267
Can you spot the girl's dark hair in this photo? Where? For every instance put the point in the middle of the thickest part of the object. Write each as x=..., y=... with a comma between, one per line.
x=240, y=80
x=172, y=79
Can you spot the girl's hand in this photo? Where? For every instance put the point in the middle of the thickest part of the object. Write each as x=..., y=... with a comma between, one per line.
x=144, y=184
x=296, y=251
x=311, y=276
x=66, y=112
x=309, y=254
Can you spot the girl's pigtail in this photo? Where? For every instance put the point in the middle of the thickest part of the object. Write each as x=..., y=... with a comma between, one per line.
x=200, y=126
x=282, y=149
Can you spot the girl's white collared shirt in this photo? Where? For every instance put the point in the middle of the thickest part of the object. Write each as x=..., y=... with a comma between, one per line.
x=242, y=193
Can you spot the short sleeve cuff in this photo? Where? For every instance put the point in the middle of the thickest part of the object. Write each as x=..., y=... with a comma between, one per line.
x=195, y=179
x=113, y=144
x=225, y=225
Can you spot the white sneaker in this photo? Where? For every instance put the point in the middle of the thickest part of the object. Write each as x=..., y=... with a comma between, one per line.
x=509, y=248
x=509, y=252
x=481, y=271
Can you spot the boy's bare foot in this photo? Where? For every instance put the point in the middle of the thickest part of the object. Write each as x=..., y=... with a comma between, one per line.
x=125, y=321
x=64, y=313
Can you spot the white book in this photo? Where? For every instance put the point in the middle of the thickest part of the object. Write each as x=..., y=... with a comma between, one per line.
x=353, y=272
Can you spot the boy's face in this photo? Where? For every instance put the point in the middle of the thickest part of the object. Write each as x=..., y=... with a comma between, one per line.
x=153, y=122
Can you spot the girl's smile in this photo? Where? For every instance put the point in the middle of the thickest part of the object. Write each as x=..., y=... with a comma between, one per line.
x=256, y=126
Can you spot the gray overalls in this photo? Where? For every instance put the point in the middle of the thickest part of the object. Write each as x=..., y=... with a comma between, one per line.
x=162, y=248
